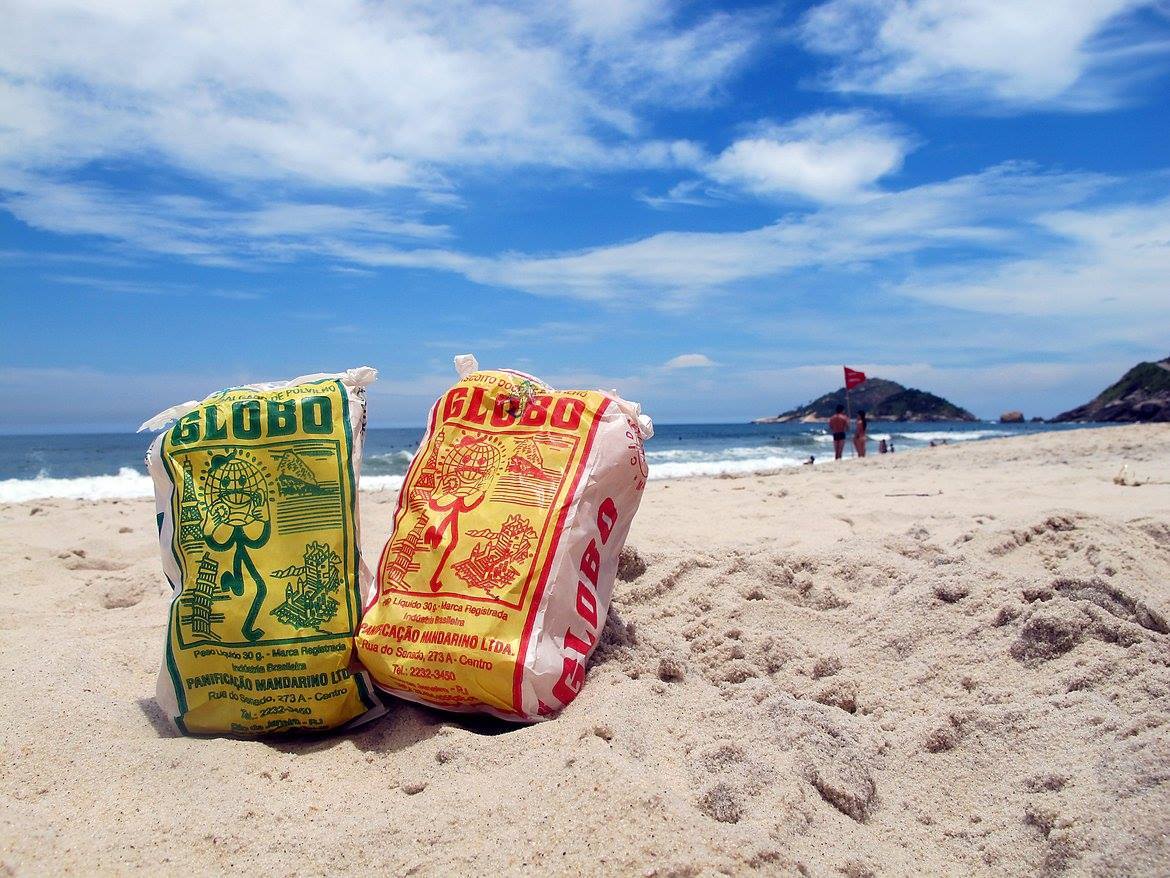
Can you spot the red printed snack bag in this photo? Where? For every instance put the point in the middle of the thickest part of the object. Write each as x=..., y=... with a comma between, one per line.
x=494, y=586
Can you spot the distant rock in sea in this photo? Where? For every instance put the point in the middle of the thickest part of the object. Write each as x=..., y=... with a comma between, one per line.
x=882, y=400
x=1012, y=418
x=1142, y=394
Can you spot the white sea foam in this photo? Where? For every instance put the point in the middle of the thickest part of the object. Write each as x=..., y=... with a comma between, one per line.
x=128, y=483
x=721, y=467
x=924, y=436
x=705, y=455
x=949, y=435
x=400, y=456
x=381, y=483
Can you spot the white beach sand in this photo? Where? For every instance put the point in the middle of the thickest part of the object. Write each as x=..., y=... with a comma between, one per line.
x=811, y=676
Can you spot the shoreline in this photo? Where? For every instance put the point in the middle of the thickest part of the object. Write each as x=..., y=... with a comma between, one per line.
x=131, y=483
x=951, y=662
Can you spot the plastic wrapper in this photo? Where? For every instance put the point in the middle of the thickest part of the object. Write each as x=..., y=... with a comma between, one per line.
x=493, y=589
x=256, y=492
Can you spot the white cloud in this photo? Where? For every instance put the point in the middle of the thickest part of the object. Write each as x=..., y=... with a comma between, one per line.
x=117, y=285
x=1093, y=276
x=284, y=116
x=689, y=361
x=689, y=192
x=1112, y=262
x=993, y=210
x=633, y=47
x=609, y=19
x=148, y=288
x=1086, y=260
x=1009, y=53
x=349, y=93
x=823, y=157
x=198, y=229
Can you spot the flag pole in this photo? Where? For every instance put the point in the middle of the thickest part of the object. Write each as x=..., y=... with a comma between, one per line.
x=848, y=406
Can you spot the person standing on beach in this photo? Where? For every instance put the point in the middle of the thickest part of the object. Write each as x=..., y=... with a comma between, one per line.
x=838, y=424
x=859, y=431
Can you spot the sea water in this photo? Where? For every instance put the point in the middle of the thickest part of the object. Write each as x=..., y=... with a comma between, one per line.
x=110, y=465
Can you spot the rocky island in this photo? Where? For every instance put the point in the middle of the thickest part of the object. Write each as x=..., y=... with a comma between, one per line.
x=882, y=400
x=1141, y=394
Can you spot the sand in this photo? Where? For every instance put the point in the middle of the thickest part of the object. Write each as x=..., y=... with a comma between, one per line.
x=809, y=676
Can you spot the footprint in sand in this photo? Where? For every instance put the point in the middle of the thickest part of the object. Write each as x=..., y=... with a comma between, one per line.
x=123, y=594
x=722, y=802
x=729, y=780
x=77, y=559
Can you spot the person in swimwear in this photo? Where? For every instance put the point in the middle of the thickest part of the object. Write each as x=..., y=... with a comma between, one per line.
x=838, y=424
x=859, y=433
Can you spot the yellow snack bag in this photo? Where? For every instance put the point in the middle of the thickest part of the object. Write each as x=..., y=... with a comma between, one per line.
x=256, y=500
x=494, y=586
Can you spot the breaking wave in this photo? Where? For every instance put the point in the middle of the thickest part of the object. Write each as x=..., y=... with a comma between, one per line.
x=721, y=467
x=390, y=463
x=381, y=483
x=949, y=435
x=127, y=484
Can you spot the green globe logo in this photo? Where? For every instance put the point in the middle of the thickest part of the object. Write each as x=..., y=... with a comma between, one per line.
x=238, y=488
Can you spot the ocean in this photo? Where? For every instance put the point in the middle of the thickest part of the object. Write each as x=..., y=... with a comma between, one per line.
x=110, y=465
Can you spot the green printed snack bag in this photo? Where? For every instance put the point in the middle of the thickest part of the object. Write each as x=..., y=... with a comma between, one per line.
x=256, y=491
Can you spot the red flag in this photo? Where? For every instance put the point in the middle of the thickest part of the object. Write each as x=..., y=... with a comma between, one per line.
x=853, y=378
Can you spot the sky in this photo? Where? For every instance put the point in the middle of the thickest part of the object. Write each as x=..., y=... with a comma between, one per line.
x=710, y=208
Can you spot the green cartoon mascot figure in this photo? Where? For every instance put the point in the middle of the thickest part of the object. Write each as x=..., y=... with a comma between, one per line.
x=238, y=518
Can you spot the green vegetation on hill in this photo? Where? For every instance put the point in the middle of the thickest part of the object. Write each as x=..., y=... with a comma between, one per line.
x=882, y=400
x=1144, y=377
x=1141, y=394
x=908, y=404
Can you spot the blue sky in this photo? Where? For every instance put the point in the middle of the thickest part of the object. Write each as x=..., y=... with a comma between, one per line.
x=711, y=208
